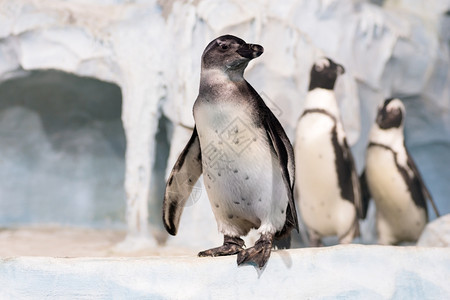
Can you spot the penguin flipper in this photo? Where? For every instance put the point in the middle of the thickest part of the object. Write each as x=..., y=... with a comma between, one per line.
x=423, y=187
x=365, y=194
x=285, y=153
x=180, y=183
x=347, y=174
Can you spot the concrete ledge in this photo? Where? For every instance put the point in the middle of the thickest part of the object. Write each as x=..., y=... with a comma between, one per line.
x=350, y=272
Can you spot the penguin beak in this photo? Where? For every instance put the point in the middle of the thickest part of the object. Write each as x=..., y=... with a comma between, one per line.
x=250, y=51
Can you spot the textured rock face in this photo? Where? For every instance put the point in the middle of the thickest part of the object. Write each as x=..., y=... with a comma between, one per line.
x=98, y=40
x=152, y=52
x=62, y=151
x=436, y=234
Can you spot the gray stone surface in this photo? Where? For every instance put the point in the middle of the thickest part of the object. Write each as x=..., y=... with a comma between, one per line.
x=62, y=150
x=339, y=272
x=151, y=50
x=436, y=233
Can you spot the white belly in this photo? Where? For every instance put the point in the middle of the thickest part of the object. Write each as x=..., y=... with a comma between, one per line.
x=241, y=173
x=398, y=218
x=321, y=205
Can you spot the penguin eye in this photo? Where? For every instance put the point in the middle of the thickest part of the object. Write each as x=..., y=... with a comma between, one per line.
x=224, y=47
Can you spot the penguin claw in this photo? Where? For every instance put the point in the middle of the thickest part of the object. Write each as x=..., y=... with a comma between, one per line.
x=231, y=245
x=221, y=251
x=258, y=254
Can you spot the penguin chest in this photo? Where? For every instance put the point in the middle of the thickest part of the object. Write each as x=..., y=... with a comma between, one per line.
x=314, y=151
x=397, y=215
x=320, y=202
x=241, y=173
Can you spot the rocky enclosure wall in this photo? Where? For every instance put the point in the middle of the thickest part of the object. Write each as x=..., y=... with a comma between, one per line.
x=152, y=50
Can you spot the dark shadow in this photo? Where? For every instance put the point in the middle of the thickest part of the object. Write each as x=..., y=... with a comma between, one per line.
x=158, y=183
x=62, y=149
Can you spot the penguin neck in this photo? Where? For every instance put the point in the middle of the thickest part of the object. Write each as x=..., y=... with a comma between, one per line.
x=392, y=138
x=320, y=98
x=212, y=80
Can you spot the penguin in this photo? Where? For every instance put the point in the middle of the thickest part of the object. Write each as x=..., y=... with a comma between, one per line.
x=327, y=186
x=243, y=153
x=393, y=180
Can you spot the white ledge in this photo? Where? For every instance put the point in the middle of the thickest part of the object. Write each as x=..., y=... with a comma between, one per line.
x=350, y=272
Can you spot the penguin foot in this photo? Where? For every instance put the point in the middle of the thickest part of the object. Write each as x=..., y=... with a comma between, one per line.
x=351, y=233
x=259, y=253
x=231, y=245
x=315, y=239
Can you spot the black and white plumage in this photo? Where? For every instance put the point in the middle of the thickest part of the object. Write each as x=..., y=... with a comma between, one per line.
x=243, y=153
x=327, y=183
x=393, y=180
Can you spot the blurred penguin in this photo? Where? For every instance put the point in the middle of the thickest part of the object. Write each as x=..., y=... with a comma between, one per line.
x=327, y=183
x=393, y=180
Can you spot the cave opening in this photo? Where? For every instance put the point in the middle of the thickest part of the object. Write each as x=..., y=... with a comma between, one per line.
x=62, y=151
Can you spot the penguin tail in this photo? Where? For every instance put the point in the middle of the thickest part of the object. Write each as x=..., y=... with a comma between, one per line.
x=283, y=237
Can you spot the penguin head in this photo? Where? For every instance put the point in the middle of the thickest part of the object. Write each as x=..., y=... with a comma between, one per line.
x=391, y=114
x=324, y=73
x=229, y=54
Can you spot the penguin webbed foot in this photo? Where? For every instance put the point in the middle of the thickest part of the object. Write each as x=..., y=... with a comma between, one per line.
x=231, y=246
x=316, y=243
x=315, y=239
x=259, y=253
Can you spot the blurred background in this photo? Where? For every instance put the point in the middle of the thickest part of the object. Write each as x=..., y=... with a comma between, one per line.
x=96, y=98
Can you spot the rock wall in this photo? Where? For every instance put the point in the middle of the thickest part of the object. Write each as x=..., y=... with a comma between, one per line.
x=62, y=151
x=152, y=50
